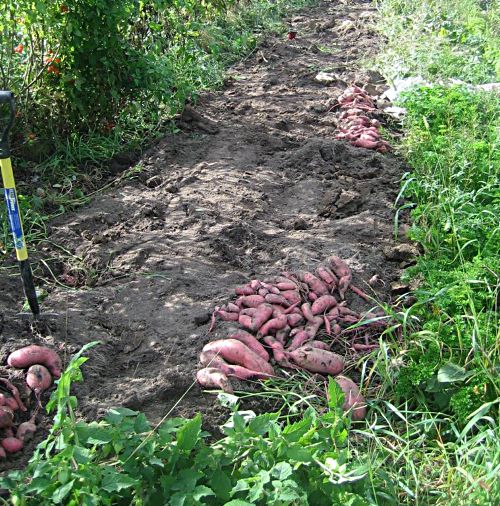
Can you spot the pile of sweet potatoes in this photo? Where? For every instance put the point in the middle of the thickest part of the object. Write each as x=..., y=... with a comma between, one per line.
x=42, y=365
x=355, y=125
x=281, y=318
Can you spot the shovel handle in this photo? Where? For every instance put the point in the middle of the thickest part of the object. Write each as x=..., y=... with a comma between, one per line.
x=7, y=97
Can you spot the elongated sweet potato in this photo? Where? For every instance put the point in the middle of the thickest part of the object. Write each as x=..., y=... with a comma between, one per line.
x=211, y=359
x=6, y=417
x=283, y=334
x=227, y=316
x=272, y=298
x=232, y=308
x=263, y=292
x=11, y=403
x=286, y=286
x=31, y=355
x=255, y=284
x=299, y=339
x=292, y=296
x=250, y=341
x=262, y=314
x=242, y=373
x=353, y=400
x=272, y=325
x=315, y=284
x=213, y=378
x=271, y=288
x=359, y=292
x=312, y=296
x=344, y=283
x=313, y=327
x=316, y=360
x=293, y=309
x=277, y=310
x=238, y=353
x=328, y=327
x=251, y=300
x=339, y=267
x=38, y=378
x=323, y=304
x=248, y=311
x=278, y=351
x=307, y=311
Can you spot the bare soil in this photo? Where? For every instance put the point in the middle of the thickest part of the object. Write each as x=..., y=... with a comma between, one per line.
x=254, y=183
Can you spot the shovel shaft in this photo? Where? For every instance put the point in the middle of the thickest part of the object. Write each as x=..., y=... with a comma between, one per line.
x=14, y=215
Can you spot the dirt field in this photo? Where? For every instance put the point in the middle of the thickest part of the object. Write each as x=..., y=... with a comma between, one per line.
x=253, y=184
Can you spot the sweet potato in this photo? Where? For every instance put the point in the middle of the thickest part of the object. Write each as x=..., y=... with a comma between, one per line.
x=262, y=314
x=271, y=288
x=240, y=372
x=333, y=313
x=299, y=339
x=274, y=324
x=31, y=355
x=232, y=308
x=278, y=351
x=213, y=378
x=38, y=378
x=316, y=360
x=227, y=317
x=328, y=327
x=307, y=312
x=353, y=400
x=313, y=327
x=248, y=311
x=344, y=310
x=251, y=342
x=3, y=398
x=26, y=430
x=6, y=417
x=263, y=292
x=326, y=275
x=292, y=296
x=251, y=300
x=319, y=344
x=324, y=303
x=295, y=320
x=359, y=293
x=255, y=284
x=312, y=296
x=245, y=321
x=344, y=283
x=293, y=309
x=277, y=310
x=244, y=290
x=236, y=352
x=272, y=298
x=283, y=334
x=211, y=359
x=12, y=444
x=11, y=403
x=336, y=329
x=14, y=391
x=339, y=267
x=316, y=285
x=286, y=286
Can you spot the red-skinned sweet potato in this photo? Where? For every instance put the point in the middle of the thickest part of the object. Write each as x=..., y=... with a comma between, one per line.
x=211, y=377
x=245, y=321
x=294, y=320
x=353, y=400
x=278, y=351
x=327, y=276
x=238, y=353
x=227, y=316
x=301, y=337
x=38, y=378
x=244, y=290
x=250, y=300
x=272, y=325
x=262, y=314
x=272, y=298
x=250, y=341
x=26, y=430
x=316, y=360
x=292, y=296
x=286, y=286
x=31, y=355
x=323, y=304
x=319, y=344
x=15, y=393
x=339, y=267
x=307, y=312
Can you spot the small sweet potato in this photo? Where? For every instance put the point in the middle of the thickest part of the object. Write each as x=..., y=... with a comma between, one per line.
x=274, y=324
x=255, y=284
x=238, y=353
x=233, y=308
x=31, y=355
x=251, y=342
x=316, y=360
x=213, y=378
x=283, y=334
x=312, y=296
x=278, y=351
x=15, y=393
x=299, y=339
x=211, y=359
x=344, y=283
x=286, y=286
x=315, y=284
x=12, y=444
x=313, y=327
x=353, y=400
x=271, y=288
x=328, y=327
x=6, y=417
x=262, y=314
x=38, y=378
x=277, y=310
x=339, y=267
x=324, y=303
x=240, y=372
x=11, y=403
x=263, y=292
x=26, y=430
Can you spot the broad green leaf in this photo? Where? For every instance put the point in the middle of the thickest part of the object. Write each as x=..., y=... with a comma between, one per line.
x=221, y=484
x=189, y=433
x=114, y=481
x=281, y=471
x=450, y=373
x=299, y=454
x=202, y=491
x=116, y=415
x=60, y=493
x=238, y=502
